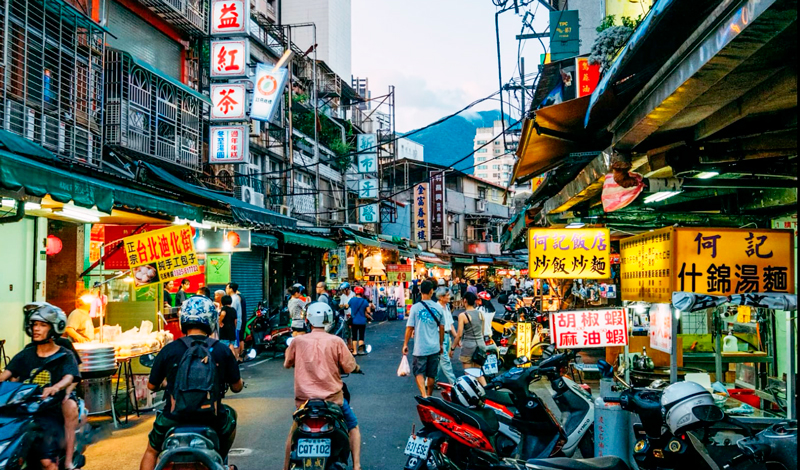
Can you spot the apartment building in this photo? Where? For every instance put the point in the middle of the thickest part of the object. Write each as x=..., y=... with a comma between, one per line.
x=333, y=27
x=492, y=161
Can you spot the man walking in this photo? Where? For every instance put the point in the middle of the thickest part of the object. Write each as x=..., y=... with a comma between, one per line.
x=443, y=296
x=322, y=293
x=426, y=324
x=238, y=304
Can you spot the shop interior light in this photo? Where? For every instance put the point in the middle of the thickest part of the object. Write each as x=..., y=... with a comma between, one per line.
x=660, y=196
x=79, y=216
x=29, y=206
x=706, y=175
x=192, y=223
x=677, y=314
x=575, y=225
x=640, y=308
x=202, y=243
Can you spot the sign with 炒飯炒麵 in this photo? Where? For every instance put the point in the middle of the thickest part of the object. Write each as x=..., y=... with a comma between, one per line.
x=229, y=58
x=230, y=17
x=161, y=255
x=369, y=213
x=228, y=102
x=420, y=209
x=580, y=329
x=228, y=144
x=569, y=253
x=267, y=91
x=437, y=205
x=398, y=272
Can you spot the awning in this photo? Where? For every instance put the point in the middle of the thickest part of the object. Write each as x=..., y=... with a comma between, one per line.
x=438, y=265
x=361, y=240
x=127, y=198
x=407, y=253
x=389, y=246
x=262, y=239
x=21, y=146
x=430, y=258
x=485, y=260
x=162, y=75
x=308, y=240
x=242, y=212
x=463, y=260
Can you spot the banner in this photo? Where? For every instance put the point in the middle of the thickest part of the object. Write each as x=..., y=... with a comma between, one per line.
x=398, y=272
x=661, y=327
x=581, y=329
x=524, y=339
x=421, y=218
x=437, y=207
x=267, y=91
x=161, y=255
x=113, y=236
x=337, y=265
x=569, y=253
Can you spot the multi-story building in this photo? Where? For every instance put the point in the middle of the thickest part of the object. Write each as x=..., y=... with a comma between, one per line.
x=492, y=161
x=333, y=26
x=408, y=149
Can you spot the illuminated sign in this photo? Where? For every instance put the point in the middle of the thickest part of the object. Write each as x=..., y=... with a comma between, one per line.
x=230, y=17
x=229, y=58
x=267, y=92
x=229, y=144
x=586, y=76
x=580, y=329
x=228, y=102
x=569, y=253
x=661, y=327
x=161, y=255
x=437, y=205
x=398, y=272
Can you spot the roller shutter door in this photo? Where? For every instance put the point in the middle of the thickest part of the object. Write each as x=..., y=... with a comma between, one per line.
x=247, y=270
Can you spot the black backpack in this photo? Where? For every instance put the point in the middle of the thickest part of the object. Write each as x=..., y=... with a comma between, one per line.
x=196, y=390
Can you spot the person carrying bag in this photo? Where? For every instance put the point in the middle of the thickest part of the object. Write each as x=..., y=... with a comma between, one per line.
x=470, y=336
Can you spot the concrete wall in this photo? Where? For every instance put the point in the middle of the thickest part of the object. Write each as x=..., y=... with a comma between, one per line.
x=591, y=13
x=333, y=21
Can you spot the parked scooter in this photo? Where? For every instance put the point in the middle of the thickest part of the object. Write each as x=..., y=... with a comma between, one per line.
x=267, y=330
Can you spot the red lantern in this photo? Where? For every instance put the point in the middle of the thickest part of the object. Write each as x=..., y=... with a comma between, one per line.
x=234, y=239
x=54, y=245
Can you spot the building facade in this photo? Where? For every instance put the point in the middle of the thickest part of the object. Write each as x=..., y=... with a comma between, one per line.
x=492, y=162
x=333, y=21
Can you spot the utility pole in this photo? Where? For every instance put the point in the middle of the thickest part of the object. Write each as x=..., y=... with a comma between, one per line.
x=522, y=83
x=290, y=173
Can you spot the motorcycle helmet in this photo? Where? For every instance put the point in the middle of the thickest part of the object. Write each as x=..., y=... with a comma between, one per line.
x=344, y=285
x=45, y=312
x=320, y=315
x=358, y=290
x=484, y=295
x=688, y=405
x=468, y=392
x=199, y=312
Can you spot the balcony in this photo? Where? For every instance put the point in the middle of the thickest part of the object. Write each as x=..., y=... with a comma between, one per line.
x=151, y=114
x=189, y=16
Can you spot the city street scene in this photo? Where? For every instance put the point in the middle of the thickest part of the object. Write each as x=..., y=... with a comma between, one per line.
x=385, y=235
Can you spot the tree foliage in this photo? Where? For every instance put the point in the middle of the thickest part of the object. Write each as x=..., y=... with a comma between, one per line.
x=612, y=39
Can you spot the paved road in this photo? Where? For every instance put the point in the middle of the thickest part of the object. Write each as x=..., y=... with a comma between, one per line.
x=383, y=402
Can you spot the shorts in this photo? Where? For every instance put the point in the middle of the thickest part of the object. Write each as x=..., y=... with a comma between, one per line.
x=349, y=417
x=48, y=443
x=359, y=331
x=229, y=342
x=225, y=429
x=427, y=366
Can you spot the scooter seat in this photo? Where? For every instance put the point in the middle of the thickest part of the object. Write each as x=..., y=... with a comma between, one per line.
x=481, y=418
x=564, y=463
x=204, y=431
x=500, y=397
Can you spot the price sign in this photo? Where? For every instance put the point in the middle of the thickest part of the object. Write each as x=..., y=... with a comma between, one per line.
x=398, y=272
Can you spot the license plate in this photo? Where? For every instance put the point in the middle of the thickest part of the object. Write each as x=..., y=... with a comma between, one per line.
x=418, y=447
x=502, y=350
x=313, y=448
x=490, y=367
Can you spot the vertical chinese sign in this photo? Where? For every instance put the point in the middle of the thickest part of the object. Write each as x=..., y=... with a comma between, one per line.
x=368, y=186
x=569, y=253
x=421, y=217
x=230, y=17
x=586, y=76
x=228, y=102
x=437, y=205
x=228, y=144
x=229, y=58
x=661, y=327
x=589, y=328
x=161, y=255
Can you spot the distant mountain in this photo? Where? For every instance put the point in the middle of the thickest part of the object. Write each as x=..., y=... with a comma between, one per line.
x=454, y=139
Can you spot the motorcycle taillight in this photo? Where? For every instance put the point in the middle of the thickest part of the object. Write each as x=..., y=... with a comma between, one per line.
x=315, y=425
x=429, y=415
x=444, y=447
x=504, y=342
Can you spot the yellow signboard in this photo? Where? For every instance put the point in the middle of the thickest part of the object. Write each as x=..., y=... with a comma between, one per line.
x=161, y=255
x=645, y=267
x=524, y=339
x=569, y=253
x=715, y=261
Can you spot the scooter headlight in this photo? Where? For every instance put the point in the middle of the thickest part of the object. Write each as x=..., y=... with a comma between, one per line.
x=172, y=443
x=198, y=443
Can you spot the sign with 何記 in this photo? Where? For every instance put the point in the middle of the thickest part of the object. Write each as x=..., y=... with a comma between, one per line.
x=582, y=329
x=398, y=272
x=229, y=58
x=161, y=255
x=569, y=253
x=437, y=205
x=420, y=208
x=661, y=327
x=229, y=144
x=230, y=17
x=267, y=91
x=369, y=213
x=368, y=189
x=228, y=102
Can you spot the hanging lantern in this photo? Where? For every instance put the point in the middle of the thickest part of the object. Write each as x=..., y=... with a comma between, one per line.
x=53, y=245
x=233, y=238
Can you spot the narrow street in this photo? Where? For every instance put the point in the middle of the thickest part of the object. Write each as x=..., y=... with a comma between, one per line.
x=383, y=402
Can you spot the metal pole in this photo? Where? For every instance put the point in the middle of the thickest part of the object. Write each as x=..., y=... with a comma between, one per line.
x=290, y=173
x=718, y=346
x=791, y=410
x=316, y=120
x=523, y=111
x=673, y=363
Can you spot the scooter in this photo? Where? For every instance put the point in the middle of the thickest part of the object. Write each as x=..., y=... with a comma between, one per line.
x=191, y=447
x=267, y=331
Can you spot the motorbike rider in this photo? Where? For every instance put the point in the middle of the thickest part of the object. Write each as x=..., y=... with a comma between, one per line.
x=319, y=358
x=44, y=323
x=296, y=305
x=344, y=298
x=197, y=319
x=322, y=293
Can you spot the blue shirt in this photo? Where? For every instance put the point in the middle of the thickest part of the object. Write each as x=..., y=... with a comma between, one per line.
x=358, y=310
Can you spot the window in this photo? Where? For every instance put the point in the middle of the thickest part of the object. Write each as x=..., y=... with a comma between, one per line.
x=481, y=151
x=497, y=142
x=481, y=193
x=481, y=142
x=497, y=151
x=496, y=175
x=495, y=193
x=482, y=167
x=495, y=167
x=481, y=159
x=482, y=175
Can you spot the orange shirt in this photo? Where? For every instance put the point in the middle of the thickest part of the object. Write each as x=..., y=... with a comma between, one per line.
x=318, y=358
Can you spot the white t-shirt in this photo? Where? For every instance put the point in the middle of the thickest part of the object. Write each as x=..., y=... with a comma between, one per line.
x=344, y=299
x=513, y=282
x=448, y=318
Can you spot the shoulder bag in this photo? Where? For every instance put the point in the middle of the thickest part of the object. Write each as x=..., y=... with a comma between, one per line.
x=479, y=356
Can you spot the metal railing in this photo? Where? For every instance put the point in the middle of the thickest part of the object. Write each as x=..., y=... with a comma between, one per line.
x=189, y=16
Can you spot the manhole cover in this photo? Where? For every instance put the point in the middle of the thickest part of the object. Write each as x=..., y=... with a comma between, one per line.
x=239, y=452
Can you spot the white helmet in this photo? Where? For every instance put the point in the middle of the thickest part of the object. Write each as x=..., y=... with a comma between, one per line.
x=469, y=392
x=320, y=315
x=688, y=405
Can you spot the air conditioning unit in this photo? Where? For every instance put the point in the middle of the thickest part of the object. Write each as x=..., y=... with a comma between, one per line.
x=480, y=205
x=286, y=210
x=251, y=196
x=447, y=241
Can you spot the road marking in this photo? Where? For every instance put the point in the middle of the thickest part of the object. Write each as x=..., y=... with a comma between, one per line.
x=253, y=364
x=240, y=452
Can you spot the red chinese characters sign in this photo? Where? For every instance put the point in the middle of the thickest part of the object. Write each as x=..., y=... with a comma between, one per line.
x=587, y=76
x=229, y=58
x=161, y=255
x=581, y=329
x=228, y=102
x=229, y=17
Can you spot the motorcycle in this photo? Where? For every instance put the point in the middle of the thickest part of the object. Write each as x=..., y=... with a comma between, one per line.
x=191, y=447
x=267, y=331
x=20, y=404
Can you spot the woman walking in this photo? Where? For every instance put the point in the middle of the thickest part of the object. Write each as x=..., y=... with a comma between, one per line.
x=470, y=335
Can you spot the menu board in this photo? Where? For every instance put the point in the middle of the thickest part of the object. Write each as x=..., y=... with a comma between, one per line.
x=645, y=268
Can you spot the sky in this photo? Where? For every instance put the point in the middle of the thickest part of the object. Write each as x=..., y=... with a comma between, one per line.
x=439, y=54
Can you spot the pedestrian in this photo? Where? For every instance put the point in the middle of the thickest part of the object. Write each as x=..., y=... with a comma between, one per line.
x=232, y=289
x=455, y=293
x=218, y=299
x=227, y=325
x=322, y=293
x=182, y=295
x=415, y=291
x=296, y=306
x=445, y=365
x=344, y=297
x=360, y=309
x=425, y=323
x=506, y=286
x=470, y=334
x=480, y=286
x=471, y=288
x=167, y=295
x=204, y=291
x=513, y=283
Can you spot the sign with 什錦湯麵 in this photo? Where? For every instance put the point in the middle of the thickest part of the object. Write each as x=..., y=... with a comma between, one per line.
x=569, y=253
x=421, y=217
x=398, y=272
x=161, y=255
x=579, y=329
x=267, y=91
x=437, y=205
x=229, y=144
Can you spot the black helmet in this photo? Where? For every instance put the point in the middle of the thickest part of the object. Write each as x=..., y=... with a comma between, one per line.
x=45, y=312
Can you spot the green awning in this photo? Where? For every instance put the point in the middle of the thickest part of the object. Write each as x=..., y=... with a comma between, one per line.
x=21, y=146
x=169, y=79
x=308, y=240
x=362, y=240
x=127, y=198
x=407, y=253
x=437, y=265
x=461, y=260
x=262, y=239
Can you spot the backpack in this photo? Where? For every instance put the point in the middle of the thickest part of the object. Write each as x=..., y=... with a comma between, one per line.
x=196, y=390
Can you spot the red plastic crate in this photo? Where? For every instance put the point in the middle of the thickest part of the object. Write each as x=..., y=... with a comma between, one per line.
x=746, y=395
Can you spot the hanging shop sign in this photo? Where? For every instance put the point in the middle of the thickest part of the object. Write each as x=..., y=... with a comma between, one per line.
x=367, y=144
x=369, y=213
x=230, y=17
x=661, y=327
x=367, y=163
x=787, y=222
x=569, y=253
x=580, y=329
x=421, y=217
x=368, y=189
x=229, y=58
x=437, y=205
x=714, y=261
x=218, y=268
x=524, y=339
x=161, y=255
x=267, y=92
x=398, y=272
x=586, y=77
x=228, y=102
x=229, y=144
x=223, y=241
x=337, y=264
x=112, y=237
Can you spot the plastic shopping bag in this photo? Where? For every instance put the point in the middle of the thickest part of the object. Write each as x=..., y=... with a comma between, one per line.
x=403, y=370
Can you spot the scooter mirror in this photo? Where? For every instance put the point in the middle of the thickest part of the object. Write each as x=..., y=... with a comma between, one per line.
x=522, y=360
x=251, y=354
x=368, y=348
x=708, y=413
x=474, y=372
x=147, y=360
